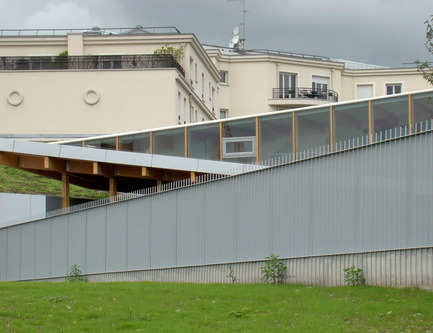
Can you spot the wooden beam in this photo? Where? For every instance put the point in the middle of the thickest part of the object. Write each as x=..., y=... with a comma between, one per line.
x=102, y=169
x=221, y=141
x=54, y=164
x=65, y=190
x=370, y=121
x=128, y=171
x=31, y=162
x=294, y=134
x=186, y=141
x=150, y=173
x=193, y=176
x=257, y=140
x=83, y=167
x=9, y=160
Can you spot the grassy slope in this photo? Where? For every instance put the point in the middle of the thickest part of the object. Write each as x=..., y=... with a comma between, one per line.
x=168, y=307
x=18, y=181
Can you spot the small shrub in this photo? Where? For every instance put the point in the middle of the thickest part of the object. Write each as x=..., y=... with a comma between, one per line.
x=354, y=277
x=232, y=274
x=274, y=271
x=75, y=274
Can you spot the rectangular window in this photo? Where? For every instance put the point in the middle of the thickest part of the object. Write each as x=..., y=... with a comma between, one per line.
x=239, y=147
x=202, y=85
x=224, y=113
x=394, y=88
x=287, y=85
x=224, y=77
x=191, y=70
x=196, y=73
x=320, y=84
x=364, y=91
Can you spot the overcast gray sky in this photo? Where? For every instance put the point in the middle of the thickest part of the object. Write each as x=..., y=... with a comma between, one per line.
x=381, y=32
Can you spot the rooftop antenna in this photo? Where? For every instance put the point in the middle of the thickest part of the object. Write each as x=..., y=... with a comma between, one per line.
x=243, y=21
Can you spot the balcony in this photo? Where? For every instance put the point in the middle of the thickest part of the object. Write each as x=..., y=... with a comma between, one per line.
x=90, y=62
x=308, y=95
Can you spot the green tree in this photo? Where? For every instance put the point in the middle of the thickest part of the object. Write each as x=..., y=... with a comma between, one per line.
x=424, y=67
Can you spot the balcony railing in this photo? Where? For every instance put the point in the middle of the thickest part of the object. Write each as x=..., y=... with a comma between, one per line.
x=305, y=93
x=90, y=62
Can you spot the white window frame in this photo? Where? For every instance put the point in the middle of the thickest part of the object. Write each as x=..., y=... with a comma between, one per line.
x=225, y=77
x=393, y=85
x=239, y=139
x=226, y=112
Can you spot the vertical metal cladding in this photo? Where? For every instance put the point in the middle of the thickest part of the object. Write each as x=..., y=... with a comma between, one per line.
x=374, y=198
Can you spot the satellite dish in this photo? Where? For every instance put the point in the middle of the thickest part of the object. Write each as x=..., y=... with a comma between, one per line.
x=235, y=39
x=231, y=44
x=236, y=30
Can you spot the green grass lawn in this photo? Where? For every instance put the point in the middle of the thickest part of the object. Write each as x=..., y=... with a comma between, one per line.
x=19, y=181
x=172, y=307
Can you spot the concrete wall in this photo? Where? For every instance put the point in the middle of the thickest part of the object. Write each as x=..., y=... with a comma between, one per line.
x=375, y=198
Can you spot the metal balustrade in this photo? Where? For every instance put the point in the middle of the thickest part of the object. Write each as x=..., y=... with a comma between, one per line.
x=305, y=93
x=90, y=62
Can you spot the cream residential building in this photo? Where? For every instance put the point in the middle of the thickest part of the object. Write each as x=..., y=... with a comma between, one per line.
x=110, y=81
x=257, y=81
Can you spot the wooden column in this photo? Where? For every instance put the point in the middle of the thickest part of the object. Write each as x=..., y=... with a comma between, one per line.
x=221, y=141
x=113, y=187
x=65, y=190
x=331, y=120
x=186, y=142
x=294, y=135
x=411, y=128
x=370, y=121
x=257, y=140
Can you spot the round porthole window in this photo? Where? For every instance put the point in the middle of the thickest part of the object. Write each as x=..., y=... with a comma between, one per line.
x=15, y=98
x=91, y=97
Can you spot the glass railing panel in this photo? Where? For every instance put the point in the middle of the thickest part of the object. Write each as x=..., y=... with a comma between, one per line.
x=312, y=130
x=351, y=121
x=169, y=142
x=106, y=143
x=422, y=111
x=239, y=141
x=204, y=142
x=139, y=143
x=389, y=114
x=275, y=136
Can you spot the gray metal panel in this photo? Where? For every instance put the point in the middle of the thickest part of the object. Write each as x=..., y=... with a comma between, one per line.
x=117, y=238
x=36, y=148
x=139, y=234
x=59, y=246
x=190, y=227
x=174, y=163
x=14, y=253
x=43, y=248
x=80, y=153
x=3, y=254
x=77, y=227
x=128, y=158
x=163, y=230
x=7, y=144
x=28, y=253
x=220, y=232
x=96, y=240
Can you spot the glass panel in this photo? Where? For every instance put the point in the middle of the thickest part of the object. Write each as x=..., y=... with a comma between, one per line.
x=312, y=129
x=275, y=139
x=139, y=143
x=106, y=143
x=390, y=113
x=239, y=128
x=422, y=110
x=243, y=127
x=350, y=121
x=169, y=142
x=204, y=142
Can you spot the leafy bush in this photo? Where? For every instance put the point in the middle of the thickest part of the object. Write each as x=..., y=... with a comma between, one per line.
x=177, y=54
x=232, y=275
x=354, y=277
x=274, y=271
x=75, y=274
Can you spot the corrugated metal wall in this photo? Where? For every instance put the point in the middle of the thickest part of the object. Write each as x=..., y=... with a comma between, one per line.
x=370, y=199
